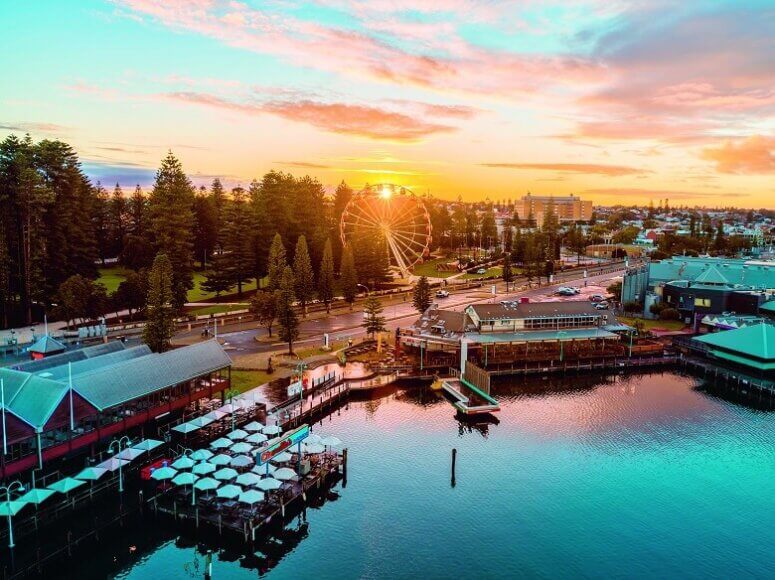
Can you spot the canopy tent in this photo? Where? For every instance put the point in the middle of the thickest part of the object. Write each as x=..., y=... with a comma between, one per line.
x=66, y=485
x=203, y=468
x=92, y=473
x=201, y=455
x=229, y=491
x=148, y=444
x=251, y=497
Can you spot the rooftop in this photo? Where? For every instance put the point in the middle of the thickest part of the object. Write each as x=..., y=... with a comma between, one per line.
x=756, y=341
x=535, y=309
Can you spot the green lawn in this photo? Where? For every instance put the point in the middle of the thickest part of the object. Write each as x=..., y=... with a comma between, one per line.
x=649, y=324
x=429, y=268
x=112, y=277
x=494, y=272
x=244, y=380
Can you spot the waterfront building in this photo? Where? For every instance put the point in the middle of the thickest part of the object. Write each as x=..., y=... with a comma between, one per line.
x=66, y=404
x=46, y=346
x=568, y=208
x=701, y=285
x=751, y=348
x=511, y=332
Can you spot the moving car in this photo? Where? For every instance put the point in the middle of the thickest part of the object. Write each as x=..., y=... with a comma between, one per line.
x=442, y=294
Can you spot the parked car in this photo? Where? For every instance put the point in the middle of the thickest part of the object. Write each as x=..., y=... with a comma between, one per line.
x=566, y=291
x=602, y=305
x=481, y=271
x=442, y=294
x=597, y=298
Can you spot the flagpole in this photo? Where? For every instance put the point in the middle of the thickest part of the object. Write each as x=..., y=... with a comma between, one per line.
x=70, y=378
x=2, y=404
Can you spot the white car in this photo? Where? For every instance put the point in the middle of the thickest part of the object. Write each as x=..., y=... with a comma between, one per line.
x=601, y=305
x=481, y=271
x=442, y=294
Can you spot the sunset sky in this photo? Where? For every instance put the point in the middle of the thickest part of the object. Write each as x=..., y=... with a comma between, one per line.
x=620, y=102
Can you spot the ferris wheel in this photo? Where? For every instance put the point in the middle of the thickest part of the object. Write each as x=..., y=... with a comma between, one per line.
x=394, y=213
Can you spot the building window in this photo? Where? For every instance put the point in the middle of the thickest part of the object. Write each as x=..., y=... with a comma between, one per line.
x=704, y=302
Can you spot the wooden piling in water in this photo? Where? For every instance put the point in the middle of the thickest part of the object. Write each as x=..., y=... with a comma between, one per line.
x=454, y=462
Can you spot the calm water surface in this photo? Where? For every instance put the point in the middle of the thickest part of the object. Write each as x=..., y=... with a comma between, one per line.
x=641, y=476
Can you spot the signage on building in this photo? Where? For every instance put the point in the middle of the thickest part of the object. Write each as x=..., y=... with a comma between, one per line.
x=277, y=446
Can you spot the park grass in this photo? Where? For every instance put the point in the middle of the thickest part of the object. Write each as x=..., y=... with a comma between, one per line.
x=649, y=324
x=111, y=277
x=429, y=270
x=494, y=272
x=244, y=380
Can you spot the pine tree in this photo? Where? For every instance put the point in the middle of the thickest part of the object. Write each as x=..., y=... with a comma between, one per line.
x=303, y=275
x=206, y=227
x=287, y=320
x=263, y=306
x=172, y=223
x=159, y=309
x=219, y=278
x=277, y=262
x=326, y=276
x=117, y=221
x=235, y=239
x=508, y=273
x=421, y=295
x=373, y=321
x=348, y=276
x=101, y=221
x=138, y=208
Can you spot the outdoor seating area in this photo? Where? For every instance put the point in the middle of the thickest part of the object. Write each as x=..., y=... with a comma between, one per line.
x=227, y=484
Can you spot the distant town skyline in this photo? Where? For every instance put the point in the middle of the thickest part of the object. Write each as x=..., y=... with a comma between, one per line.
x=618, y=102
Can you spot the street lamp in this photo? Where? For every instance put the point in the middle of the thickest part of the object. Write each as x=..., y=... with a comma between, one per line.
x=18, y=486
x=230, y=394
x=118, y=443
x=186, y=453
x=365, y=288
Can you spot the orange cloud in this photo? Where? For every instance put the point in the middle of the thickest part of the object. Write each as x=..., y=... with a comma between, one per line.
x=591, y=168
x=348, y=119
x=756, y=154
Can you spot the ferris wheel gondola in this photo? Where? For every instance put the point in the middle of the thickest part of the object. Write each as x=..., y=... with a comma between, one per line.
x=395, y=214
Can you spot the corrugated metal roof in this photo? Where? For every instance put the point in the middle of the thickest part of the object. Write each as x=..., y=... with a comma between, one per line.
x=735, y=271
x=116, y=384
x=536, y=309
x=541, y=335
x=32, y=399
x=768, y=306
x=95, y=362
x=46, y=344
x=756, y=341
x=70, y=356
x=712, y=276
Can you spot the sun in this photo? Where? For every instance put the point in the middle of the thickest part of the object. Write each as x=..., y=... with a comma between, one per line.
x=386, y=192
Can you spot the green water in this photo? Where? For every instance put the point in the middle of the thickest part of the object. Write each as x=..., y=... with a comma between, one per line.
x=645, y=476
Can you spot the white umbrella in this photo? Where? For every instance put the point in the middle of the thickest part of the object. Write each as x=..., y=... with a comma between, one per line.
x=313, y=448
x=221, y=443
x=241, y=447
x=272, y=430
x=284, y=474
x=129, y=454
x=201, y=455
x=253, y=426
x=184, y=478
x=248, y=478
x=237, y=434
x=183, y=463
x=185, y=428
x=331, y=441
x=256, y=438
x=225, y=473
x=148, y=444
x=203, y=468
x=112, y=464
x=241, y=461
x=313, y=438
x=266, y=469
x=251, y=497
x=91, y=473
x=206, y=484
x=283, y=457
x=163, y=473
x=269, y=483
x=201, y=421
x=229, y=491
x=220, y=459
x=216, y=415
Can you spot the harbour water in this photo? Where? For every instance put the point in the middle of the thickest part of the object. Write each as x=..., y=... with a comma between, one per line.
x=631, y=476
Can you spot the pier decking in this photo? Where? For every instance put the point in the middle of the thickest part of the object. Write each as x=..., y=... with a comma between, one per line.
x=467, y=398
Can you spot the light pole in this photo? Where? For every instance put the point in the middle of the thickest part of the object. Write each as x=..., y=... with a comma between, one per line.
x=230, y=394
x=186, y=453
x=118, y=443
x=562, y=346
x=14, y=485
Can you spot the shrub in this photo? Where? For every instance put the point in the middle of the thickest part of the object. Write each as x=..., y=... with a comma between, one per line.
x=669, y=314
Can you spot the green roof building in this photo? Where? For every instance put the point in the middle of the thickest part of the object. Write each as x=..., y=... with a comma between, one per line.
x=752, y=347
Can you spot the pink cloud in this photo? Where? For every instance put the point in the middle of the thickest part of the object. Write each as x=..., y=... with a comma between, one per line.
x=342, y=118
x=589, y=168
x=753, y=155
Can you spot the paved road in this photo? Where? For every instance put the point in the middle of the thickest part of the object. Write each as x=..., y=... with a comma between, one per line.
x=342, y=326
